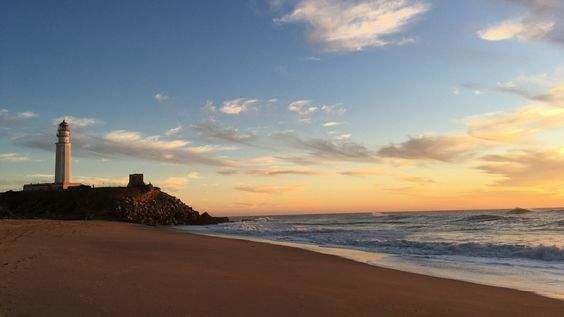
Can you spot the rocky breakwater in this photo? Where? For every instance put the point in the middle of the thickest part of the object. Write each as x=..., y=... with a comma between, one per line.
x=145, y=205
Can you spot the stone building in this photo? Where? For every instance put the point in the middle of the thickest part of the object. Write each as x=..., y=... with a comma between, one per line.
x=136, y=180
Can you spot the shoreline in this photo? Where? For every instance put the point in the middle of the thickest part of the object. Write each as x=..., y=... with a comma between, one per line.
x=63, y=268
x=370, y=258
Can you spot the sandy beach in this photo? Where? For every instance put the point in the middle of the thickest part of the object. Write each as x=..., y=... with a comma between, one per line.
x=95, y=267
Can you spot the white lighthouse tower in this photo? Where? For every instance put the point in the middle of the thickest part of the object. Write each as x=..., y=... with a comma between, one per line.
x=62, y=163
x=63, y=156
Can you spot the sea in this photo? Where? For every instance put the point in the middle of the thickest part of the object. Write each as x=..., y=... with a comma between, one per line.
x=508, y=248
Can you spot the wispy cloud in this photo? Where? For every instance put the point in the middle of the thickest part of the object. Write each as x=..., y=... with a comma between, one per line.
x=546, y=88
x=7, y=116
x=521, y=29
x=333, y=111
x=280, y=171
x=77, y=122
x=526, y=167
x=444, y=148
x=132, y=144
x=238, y=106
x=177, y=183
x=543, y=20
x=343, y=137
x=267, y=189
x=554, y=97
x=304, y=109
x=298, y=160
x=332, y=124
x=213, y=130
x=13, y=157
x=519, y=125
x=228, y=171
x=324, y=149
x=345, y=26
x=161, y=97
x=417, y=180
x=174, y=131
x=360, y=173
x=209, y=107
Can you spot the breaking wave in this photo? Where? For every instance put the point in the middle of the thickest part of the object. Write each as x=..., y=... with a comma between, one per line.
x=539, y=252
x=481, y=218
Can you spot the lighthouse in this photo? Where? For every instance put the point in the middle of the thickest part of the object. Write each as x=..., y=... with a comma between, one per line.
x=62, y=163
x=63, y=155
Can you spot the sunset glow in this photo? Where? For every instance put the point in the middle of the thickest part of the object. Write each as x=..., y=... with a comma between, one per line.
x=299, y=106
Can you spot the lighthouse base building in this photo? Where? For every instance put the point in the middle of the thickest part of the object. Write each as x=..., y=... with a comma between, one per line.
x=63, y=162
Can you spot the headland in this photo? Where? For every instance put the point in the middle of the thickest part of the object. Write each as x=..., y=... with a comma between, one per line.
x=143, y=204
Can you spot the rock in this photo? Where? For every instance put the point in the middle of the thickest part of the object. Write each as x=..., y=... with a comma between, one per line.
x=207, y=219
x=145, y=205
x=516, y=211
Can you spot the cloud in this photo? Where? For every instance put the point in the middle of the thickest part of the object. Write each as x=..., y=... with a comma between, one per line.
x=543, y=20
x=177, y=183
x=238, y=106
x=520, y=29
x=304, y=109
x=6, y=116
x=554, y=97
x=345, y=26
x=208, y=148
x=360, y=173
x=134, y=137
x=298, y=160
x=228, y=171
x=267, y=189
x=212, y=130
x=332, y=124
x=26, y=115
x=331, y=150
x=444, y=148
x=521, y=124
x=76, y=122
x=277, y=172
x=544, y=87
x=161, y=98
x=209, y=107
x=270, y=160
x=123, y=143
x=133, y=144
x=13, y=157
x=417, y=180
x=526, y=167
x=174, y=131
x=332, y=111
x=312, y=58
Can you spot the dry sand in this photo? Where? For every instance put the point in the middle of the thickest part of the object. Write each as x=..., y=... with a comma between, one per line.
x=93, y=268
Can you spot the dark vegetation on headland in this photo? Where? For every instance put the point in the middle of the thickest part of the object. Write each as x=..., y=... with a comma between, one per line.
x=144, y=205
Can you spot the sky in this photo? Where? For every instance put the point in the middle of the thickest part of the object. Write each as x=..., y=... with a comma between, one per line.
x=291, y=106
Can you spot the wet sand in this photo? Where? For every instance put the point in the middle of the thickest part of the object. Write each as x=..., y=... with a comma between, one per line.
x=60, y=268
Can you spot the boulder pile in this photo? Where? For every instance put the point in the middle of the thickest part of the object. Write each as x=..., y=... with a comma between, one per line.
x=145, y=205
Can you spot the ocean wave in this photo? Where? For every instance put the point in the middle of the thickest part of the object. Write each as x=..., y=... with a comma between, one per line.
x=262, y=228
x=539, y=252
x=263, y=219
x=482, y=218
x=559, y=223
